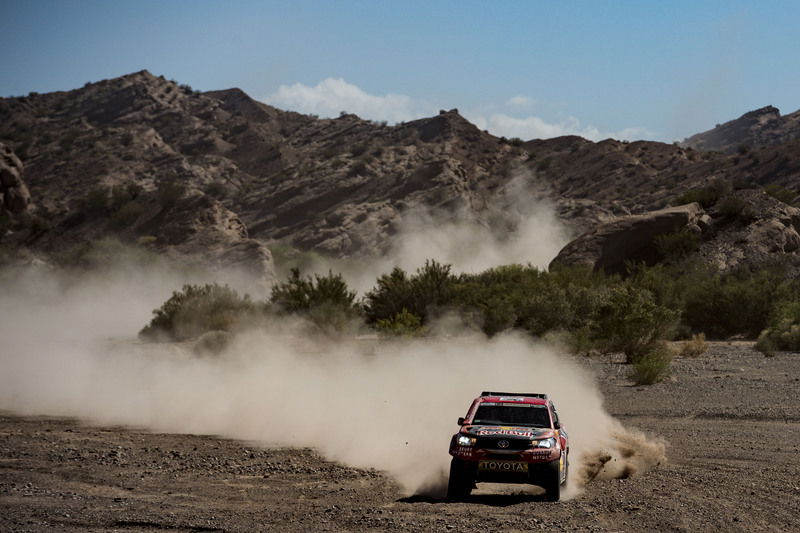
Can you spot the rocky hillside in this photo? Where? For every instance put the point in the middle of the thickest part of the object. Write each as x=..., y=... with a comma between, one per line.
x=218, y=178
x=762, y=127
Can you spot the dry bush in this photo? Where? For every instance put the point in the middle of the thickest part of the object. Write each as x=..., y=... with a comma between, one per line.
x=695, y=347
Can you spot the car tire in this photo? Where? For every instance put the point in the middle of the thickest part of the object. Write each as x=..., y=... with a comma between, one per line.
x=459, y=485
x=552, y=481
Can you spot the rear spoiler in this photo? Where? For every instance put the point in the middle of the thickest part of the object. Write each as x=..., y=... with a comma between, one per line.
x=522, y=394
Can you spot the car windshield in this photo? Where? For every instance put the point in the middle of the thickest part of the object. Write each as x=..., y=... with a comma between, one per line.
x=512, y=415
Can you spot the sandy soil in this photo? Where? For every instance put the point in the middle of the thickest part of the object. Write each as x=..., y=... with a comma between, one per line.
x=731, y=419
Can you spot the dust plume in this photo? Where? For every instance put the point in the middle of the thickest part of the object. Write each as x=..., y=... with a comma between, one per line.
x=518, y=225
x=68, y=350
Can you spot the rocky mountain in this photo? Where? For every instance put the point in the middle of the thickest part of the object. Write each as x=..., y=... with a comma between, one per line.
x=759, y=128
x=742, y=228
x=218, y=178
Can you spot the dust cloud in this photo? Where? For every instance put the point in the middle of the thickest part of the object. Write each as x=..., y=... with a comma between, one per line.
x=519, y=225
x=68, y=349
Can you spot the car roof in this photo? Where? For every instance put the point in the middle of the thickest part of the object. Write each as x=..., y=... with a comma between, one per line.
x=512, y=399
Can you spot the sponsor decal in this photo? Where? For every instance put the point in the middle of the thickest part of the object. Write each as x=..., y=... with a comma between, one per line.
x=503, y=466
x=503, y=431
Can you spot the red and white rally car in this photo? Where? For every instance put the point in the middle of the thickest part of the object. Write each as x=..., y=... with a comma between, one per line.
x=509, y=437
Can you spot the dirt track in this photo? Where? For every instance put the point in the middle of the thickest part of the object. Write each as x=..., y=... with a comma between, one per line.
x=731, y=419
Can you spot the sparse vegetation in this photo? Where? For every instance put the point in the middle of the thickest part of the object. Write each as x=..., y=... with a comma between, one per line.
x=783, y=331
x=677, y=245
x=695, y=347
x=325, y=300
x=197, y=309
x=781, y=194
x=706, y=196
x=736, y=208
x=653, y=366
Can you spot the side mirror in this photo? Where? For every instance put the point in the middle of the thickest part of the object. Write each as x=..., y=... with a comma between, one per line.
x=556, y=425
x=460, y=420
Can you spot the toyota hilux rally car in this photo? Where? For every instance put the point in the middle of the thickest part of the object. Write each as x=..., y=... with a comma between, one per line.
x=509, y=438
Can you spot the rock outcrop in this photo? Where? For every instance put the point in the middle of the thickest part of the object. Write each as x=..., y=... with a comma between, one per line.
x=611, y=246
x=743, y=228
x=759, y=128
x=14, y=195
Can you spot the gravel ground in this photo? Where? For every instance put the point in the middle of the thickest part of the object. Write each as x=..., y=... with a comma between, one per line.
x=731, y=419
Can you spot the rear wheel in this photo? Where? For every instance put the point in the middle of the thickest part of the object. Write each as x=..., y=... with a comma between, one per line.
x=459, y=486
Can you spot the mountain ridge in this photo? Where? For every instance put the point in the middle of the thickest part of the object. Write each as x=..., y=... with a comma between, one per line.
x=143, y=158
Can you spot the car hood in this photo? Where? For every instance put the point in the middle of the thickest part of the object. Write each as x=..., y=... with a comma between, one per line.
x=508, y=431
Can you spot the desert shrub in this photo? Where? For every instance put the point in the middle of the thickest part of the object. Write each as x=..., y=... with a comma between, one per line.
x=212, y=343
x=325, y=300
x=652, y=366
x=197, y=309
x=630, y=321
x=169, y=192
x=735, y=207
x=127, y=214
x=516, y=141
x=544, y=164
x=737, y=303
x=706, y=196
x=96, y=200
x=423, y=294
x=695, y=347
x=402, y=324
x=781, y=194
x=677, y=245
x=783, y=331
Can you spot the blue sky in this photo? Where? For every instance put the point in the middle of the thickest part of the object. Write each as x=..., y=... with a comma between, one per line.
x=633, y=69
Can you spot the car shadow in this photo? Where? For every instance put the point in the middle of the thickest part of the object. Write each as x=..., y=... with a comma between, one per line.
x=491, y=500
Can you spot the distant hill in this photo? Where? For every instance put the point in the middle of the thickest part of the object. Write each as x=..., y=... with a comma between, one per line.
x=759, y=128
x=220, y=178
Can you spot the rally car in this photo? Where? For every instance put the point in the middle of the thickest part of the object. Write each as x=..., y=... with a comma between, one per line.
x=509, y=437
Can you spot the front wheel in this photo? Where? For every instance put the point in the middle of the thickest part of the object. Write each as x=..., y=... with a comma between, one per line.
x=459, y=485
x=551, y=481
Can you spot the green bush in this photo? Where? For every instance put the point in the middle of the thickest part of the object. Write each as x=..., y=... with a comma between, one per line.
x=630, y=321
x=403, y=324
x=325, y=300
x=197, y=309
x=653, y=365
x=676, y=246
x=737, y=303
x=783, y=332
x=424, y=294
x=706, y=196
x=735, y=207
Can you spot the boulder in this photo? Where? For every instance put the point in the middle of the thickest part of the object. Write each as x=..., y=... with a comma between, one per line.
x=630, y=239
x=16, y=197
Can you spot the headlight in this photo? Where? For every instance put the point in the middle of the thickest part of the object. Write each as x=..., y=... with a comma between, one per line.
x=463, y=440
x=545, y=443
